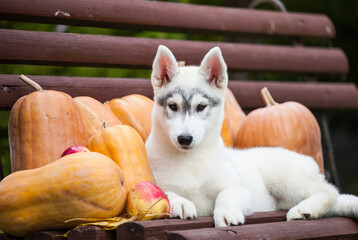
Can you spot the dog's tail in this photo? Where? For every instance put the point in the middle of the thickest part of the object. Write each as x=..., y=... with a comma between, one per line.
x=346, y=205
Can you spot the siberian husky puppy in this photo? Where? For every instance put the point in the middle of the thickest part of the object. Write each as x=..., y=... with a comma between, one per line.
x=202, y=177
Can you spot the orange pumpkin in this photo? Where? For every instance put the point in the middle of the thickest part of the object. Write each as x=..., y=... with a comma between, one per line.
x=226, y=132
x=94, y=114
x=41, y=126
x=289, y=125
x=234, y=113
x=126, y=148
x=134, y=110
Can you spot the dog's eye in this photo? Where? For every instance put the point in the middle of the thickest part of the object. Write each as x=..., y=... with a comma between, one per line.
x=200, y=107
x=173, y=107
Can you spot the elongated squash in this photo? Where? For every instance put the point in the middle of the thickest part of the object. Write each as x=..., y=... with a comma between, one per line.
x=126, y=148
x=94, y=113
x=80, y=185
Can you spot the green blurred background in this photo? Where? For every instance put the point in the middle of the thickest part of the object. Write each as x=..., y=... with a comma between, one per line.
x=343, y=124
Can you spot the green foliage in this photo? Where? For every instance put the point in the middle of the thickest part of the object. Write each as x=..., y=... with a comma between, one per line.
x=4, y=142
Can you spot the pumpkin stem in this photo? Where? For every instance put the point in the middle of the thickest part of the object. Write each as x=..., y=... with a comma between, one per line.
x=31, y=82
x=268, y=99
x=181, y=63
x=104, y=125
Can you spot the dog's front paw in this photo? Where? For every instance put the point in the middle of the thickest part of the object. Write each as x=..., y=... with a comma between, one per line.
x=224, y=217
x=181, y=207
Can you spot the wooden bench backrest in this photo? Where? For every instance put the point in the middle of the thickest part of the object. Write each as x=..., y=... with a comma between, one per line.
x=65, y=49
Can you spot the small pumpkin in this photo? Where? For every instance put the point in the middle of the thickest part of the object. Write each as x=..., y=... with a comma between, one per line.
x=226, y=133
x=80, y=185
x=290, y=125
x=41, y=125
x=134, y=110
x=94, y=114
x=126, y=148
x=233, y=118
x=234, y=113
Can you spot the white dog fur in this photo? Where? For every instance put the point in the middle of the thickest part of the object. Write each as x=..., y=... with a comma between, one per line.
x=202, y=177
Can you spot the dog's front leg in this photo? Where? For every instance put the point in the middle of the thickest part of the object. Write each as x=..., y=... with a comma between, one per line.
x=181, y=207
x=231, y=206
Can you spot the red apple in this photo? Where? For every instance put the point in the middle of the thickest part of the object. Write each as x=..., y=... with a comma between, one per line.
x=147, y=198
x=75, y=149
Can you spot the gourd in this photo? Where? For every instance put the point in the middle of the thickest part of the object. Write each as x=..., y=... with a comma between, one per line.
x=226, y=133
x=233, y=118
x=41, y=125
x=290, y=125
x=126, y=148
x=134, y=110
x=233, y=113
x=94, y=114
x=80, y=185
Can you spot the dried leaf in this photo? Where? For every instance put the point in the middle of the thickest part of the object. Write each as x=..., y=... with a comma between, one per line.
x=114, y=222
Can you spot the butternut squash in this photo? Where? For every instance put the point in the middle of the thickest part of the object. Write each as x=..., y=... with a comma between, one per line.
x=126, y=148
x=80, y=185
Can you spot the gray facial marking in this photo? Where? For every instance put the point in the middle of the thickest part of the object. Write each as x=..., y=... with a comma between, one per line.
x=187, y=98
x=213, y=102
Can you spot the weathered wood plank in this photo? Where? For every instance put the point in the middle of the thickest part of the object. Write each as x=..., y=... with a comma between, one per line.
x=327, y=228
x=103, y=89
x=142, y=230
x=34, y=47
x=151, y=15
x=91, y=233
x=156, y=229
x=4, y=236
x=46, y=235
x=313, y=95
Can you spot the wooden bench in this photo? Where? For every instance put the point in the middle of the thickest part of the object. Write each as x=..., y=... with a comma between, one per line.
x=65, y=49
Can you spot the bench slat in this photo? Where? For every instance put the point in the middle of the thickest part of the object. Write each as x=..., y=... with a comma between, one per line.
x=327, y=228
x=34, y=47
x=150, y=15
x=156, y=229
x=46, y=235
x=91, y=233
x=313, y=95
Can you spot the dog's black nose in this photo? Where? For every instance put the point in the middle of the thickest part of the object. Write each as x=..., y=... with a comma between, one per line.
x=185, y=140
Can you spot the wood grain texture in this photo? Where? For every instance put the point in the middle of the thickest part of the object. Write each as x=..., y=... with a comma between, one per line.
x=312, y=95
x=48, y=48
x=142, y=230
x=163, y=16
x=327, y=228
x=4, y=236
x=46, y=235
x=91, y=233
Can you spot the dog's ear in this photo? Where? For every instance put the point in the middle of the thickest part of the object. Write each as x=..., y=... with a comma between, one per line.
x=165, y=67
x=213, y=67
